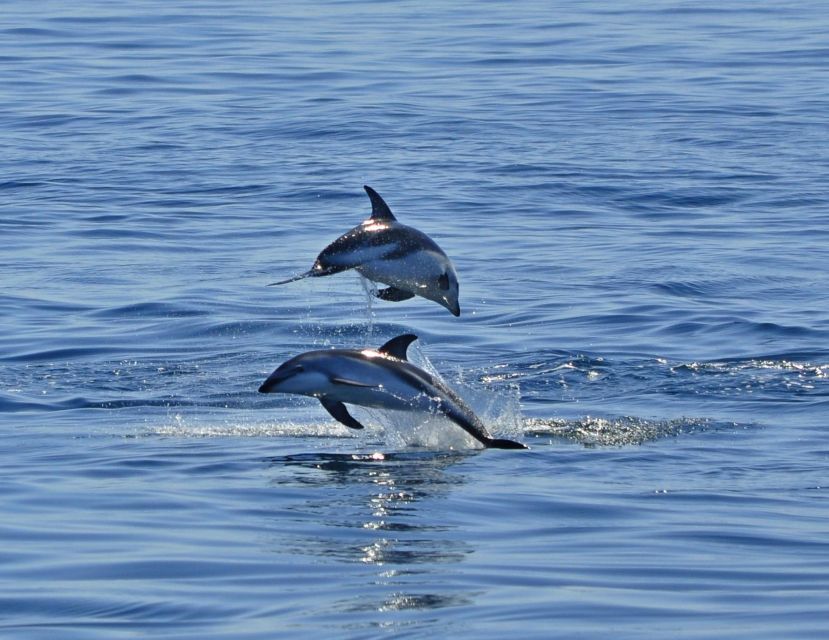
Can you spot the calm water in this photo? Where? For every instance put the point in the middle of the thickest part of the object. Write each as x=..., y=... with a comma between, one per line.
x=636, y=201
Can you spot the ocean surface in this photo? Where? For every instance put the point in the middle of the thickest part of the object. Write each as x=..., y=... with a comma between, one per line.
x=635, y=197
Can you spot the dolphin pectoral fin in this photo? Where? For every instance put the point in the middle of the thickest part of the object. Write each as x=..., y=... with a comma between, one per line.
x=397, y=347
x=340, y=413
x=501, y=443
x=393, y=294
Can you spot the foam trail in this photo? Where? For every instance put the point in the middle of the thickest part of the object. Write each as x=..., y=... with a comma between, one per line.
x=593, y=431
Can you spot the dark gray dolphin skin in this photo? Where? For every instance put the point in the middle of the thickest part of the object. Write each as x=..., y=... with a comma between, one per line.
x=383, y=250
x=381, y=378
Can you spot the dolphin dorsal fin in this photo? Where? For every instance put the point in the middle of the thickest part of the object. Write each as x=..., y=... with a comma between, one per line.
x=396, y=347
x=379, y=209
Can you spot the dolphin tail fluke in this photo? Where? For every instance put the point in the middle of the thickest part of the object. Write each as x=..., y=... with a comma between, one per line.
x=501, y=443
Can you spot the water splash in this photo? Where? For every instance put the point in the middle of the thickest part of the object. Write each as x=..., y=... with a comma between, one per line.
x=180, y=426
x=370, y=289
x=401, y=431
x=615, y=432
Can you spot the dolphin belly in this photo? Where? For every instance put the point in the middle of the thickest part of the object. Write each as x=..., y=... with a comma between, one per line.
x=383, y=392
x=410, y=273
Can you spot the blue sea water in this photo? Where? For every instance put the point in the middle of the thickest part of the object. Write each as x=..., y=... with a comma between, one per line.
x=635, y=197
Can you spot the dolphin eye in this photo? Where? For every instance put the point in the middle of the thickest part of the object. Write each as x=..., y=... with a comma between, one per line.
x=443, y=281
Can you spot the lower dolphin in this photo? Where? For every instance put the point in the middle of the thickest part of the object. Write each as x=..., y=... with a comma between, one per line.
x=381, y=378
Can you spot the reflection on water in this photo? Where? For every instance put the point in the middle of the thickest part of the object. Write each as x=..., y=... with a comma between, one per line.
x=366, y=517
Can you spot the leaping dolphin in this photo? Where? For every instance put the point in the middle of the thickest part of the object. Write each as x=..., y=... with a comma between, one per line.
x=381, y=378
x=383, y=250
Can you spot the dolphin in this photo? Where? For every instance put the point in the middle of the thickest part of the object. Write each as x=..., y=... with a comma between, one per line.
x=383, y=250
x=381, y=378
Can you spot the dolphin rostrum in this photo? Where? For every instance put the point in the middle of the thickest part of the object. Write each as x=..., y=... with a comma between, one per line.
x=381, y=378
x=383, y=250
